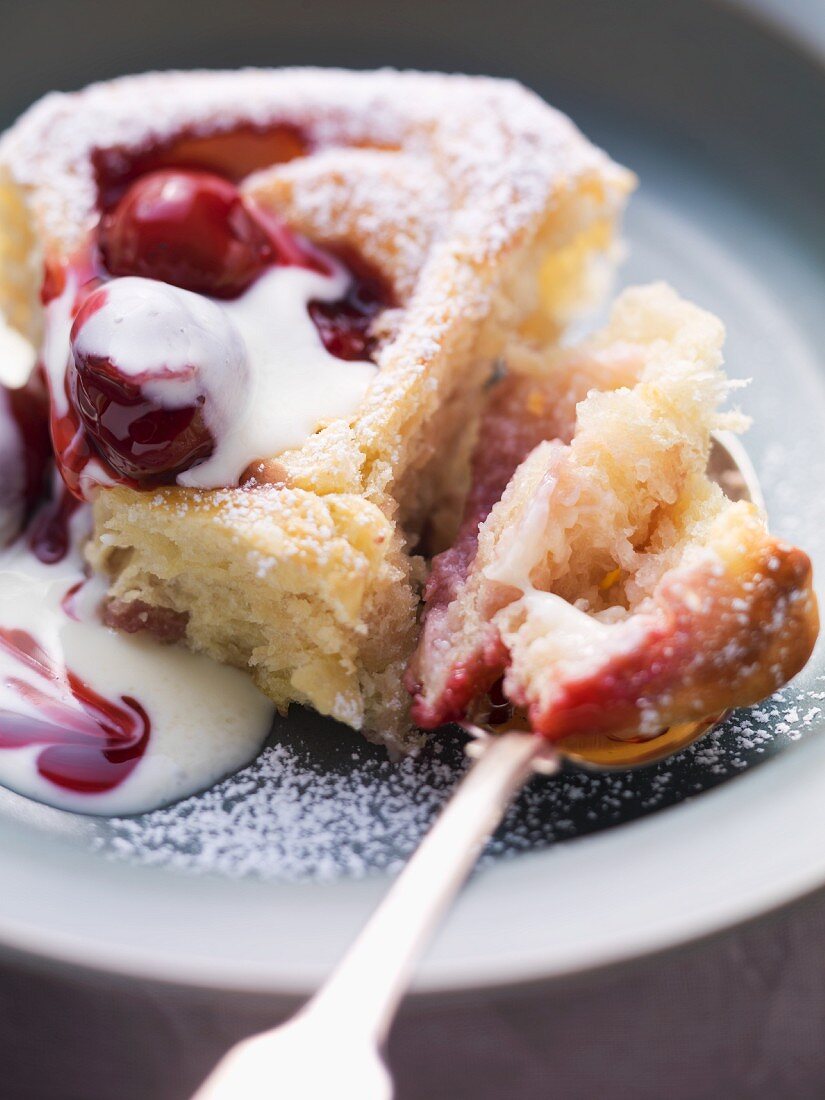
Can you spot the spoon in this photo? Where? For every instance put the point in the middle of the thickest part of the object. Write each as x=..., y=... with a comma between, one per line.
x=332, y=1047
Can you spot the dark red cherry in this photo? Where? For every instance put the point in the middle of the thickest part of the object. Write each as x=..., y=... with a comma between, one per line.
x=188, y=228
x=344, y=325
x=146, y=360
x=137, y=439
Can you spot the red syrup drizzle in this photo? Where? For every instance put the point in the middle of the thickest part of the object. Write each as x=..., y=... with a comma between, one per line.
x=49, y=535
x=91, y=744
x=43, y=509
x=71, y=444
x=137, y=230
x=345, y=326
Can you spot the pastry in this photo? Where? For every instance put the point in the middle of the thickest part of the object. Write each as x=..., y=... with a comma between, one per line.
x=271, y=302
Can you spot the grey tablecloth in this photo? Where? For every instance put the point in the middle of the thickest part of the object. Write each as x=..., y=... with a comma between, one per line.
x=742, y=1015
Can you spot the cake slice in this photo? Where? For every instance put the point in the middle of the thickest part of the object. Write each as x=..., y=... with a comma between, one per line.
x=271, y=303
x=600, y=579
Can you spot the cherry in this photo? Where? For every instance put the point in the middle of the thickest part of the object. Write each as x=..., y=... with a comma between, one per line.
x=136, y=439
x=188, y=228
x=344, y=325
x=149, y=363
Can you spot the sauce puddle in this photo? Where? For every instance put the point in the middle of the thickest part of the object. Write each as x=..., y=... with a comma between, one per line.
x=100, y=722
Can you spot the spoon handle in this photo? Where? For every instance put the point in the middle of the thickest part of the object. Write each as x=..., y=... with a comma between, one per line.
x=373, y=976
x=331, y=1047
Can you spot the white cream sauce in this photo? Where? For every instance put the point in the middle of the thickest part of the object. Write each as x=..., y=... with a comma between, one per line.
x=17, y=356
x=294, y=383
x=178, y=345
x=206, y=720
x=269, y=383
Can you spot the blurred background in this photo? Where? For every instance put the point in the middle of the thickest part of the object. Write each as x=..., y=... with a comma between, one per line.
x=712, y=80
x=700, y=72
x=683, y=91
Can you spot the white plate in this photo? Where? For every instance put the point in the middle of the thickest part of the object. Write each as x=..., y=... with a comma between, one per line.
x=728, y=212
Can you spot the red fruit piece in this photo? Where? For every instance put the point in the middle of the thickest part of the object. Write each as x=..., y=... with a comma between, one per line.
x=345, y=326
x=147, y=359
x=188, y=228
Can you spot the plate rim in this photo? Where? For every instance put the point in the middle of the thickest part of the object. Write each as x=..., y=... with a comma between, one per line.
x=446, y=974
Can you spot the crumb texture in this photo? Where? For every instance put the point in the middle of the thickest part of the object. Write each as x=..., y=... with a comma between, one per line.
x=308, y=592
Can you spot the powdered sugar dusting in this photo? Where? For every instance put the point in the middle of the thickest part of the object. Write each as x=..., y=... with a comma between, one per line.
x=292, y=815
x=394, y=205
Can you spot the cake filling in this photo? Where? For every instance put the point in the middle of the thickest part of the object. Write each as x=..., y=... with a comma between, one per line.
x=600, y=591
x=218, y=342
